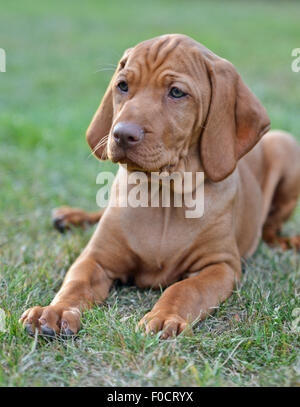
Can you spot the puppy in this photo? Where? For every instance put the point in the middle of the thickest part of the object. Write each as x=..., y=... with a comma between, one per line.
x=174, y=106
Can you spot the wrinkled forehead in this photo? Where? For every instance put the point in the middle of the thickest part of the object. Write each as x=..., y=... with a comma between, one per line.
x=177, y=53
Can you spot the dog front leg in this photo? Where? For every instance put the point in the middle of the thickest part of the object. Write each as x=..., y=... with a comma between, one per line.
x=85, y=284
x=190, y=299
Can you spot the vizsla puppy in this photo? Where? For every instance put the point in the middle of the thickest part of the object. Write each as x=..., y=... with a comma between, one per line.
x=173, y=105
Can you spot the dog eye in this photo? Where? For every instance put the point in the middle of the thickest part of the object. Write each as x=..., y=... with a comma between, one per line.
x=123, y=86
x=176, y=93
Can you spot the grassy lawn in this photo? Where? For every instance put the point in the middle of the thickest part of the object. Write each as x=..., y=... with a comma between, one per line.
x=59, y=61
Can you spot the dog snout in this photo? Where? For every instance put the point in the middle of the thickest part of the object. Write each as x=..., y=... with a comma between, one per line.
x=128, y=135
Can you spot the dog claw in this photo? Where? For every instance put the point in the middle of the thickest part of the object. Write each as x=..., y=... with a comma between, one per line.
x=59, y=224
x=67, y=333
x=29, y=329
x=47, y=331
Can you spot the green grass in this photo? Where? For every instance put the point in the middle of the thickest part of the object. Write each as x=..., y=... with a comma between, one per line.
x=47, y=98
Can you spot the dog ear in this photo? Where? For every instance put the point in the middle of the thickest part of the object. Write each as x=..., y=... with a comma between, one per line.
x=99, y=128
x=235, y=121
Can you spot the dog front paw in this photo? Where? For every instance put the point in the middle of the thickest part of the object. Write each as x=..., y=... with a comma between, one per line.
x=52, y=320
x=169, y=324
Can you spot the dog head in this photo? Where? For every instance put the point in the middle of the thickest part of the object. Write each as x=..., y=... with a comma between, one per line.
x=171, y=100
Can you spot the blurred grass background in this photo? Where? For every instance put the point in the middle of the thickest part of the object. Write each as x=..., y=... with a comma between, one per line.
x=60, y=58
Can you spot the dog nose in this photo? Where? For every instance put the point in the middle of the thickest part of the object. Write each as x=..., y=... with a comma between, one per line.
x=128, y=134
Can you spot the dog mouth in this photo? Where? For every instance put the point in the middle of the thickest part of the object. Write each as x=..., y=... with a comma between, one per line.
x=137, y=165
x=137, y=161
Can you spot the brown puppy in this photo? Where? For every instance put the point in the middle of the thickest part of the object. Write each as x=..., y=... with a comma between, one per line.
x=173, y=105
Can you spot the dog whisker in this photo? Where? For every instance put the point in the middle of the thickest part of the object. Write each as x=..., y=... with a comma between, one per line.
x=105, y=69
x=104, y=152
x=101, y=143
